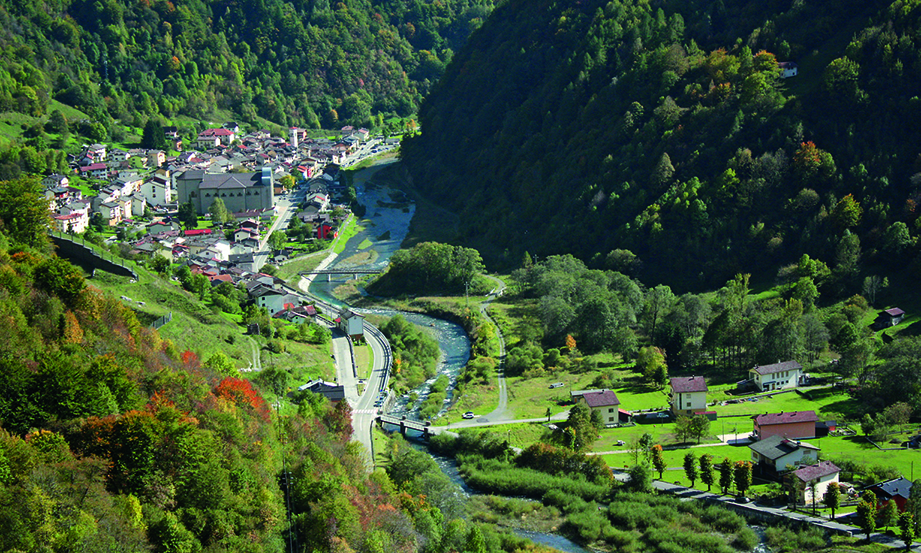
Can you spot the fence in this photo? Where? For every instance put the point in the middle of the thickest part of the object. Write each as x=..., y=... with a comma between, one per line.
x=162, y=321
x=73, y=246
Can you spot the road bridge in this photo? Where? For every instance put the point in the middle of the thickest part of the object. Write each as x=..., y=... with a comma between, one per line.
x=405, y=425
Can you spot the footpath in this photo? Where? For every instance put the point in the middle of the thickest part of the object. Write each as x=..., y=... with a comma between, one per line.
x=769, y=514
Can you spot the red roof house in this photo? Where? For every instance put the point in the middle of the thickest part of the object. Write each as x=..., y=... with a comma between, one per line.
x=793, y=424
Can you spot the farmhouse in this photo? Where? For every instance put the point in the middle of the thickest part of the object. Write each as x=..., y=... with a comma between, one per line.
x=793, y=425
x=605, y=403
x=889, y=317
x=788, y=69
x=689, y=395
x=778, y=376
x=330, y=390
x=810, y=483
x=772, y=455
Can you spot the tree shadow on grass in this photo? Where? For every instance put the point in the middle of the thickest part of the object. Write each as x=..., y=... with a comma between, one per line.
x=859, y=441
x=849, y=407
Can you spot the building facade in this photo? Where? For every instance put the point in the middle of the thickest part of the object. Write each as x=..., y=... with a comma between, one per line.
x=238, y=191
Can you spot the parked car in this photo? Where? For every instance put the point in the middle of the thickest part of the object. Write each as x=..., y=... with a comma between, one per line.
x=556, y=385
x=469, y=415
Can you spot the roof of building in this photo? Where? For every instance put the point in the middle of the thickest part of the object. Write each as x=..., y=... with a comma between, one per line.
x=225, y=181
x=778, y=367
x=892, y=488
x=602, y=398
x=687, y=384
x=894, y=312
x=816, y=471
x=768, y=419
x=777, y=446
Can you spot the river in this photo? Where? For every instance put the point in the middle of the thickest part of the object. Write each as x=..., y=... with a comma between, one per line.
x=386, y=224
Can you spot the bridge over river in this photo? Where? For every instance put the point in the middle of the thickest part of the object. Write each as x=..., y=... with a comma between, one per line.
x=330, y=272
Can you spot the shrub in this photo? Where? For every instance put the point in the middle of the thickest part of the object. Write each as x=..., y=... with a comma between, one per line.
x=745, y=539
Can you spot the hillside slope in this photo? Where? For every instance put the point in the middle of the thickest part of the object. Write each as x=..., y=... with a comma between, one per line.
x=300, y=62
x=665, y=129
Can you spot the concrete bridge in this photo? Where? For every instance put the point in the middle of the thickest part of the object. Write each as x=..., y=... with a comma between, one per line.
x=330, y=272
x=405, y=425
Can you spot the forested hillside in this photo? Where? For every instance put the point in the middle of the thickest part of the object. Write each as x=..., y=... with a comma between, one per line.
x=298, y=62
x=660, y=137
x=111, y=439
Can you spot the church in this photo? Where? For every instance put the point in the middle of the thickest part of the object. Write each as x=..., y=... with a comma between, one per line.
x=239, y=191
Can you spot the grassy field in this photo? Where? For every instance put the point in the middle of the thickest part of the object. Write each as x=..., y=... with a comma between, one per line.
x=826, y=402
x=204, y=330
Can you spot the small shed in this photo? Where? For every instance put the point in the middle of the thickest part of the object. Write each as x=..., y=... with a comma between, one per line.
x=889, y=317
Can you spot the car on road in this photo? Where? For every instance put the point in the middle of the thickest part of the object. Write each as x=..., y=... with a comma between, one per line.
x=469, y=415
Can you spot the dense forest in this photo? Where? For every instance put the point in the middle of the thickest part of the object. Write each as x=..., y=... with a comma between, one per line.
x=300, y=62
x=663, y=134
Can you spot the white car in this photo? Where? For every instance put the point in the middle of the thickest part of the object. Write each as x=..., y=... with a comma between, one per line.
x=469, y=415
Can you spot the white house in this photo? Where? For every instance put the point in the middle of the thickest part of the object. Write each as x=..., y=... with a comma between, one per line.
x=351, y=323
x=55, y=180
x=605, y=403
x=111, y=212
x=775, y=454
x=788, y=69
x=810, y=483
x=157, y=191
x=75, y=222
x=689, y=395
x=778, y=376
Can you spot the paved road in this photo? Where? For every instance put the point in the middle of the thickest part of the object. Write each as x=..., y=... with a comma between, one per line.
x=501, y=411
x=837, y=527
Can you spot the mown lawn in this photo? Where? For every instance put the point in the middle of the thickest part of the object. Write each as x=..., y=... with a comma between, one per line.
x=826, y=402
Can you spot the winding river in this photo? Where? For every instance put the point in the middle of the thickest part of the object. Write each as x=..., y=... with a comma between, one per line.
x=385, y=225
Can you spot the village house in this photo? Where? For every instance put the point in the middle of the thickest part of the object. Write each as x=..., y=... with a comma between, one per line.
x=794, y=425
x=771, y=456
x=73, y=223
x=605, y=403
x=897, y=489
x=95, y=170
x=55, y=180
x=778, y=376
x=689, y=395
x=351, y=323
x=212, y=138
x=810, y=483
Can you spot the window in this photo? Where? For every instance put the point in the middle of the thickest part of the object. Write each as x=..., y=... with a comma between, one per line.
x=688, y=404
x=610, y=419
x=610, y=410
